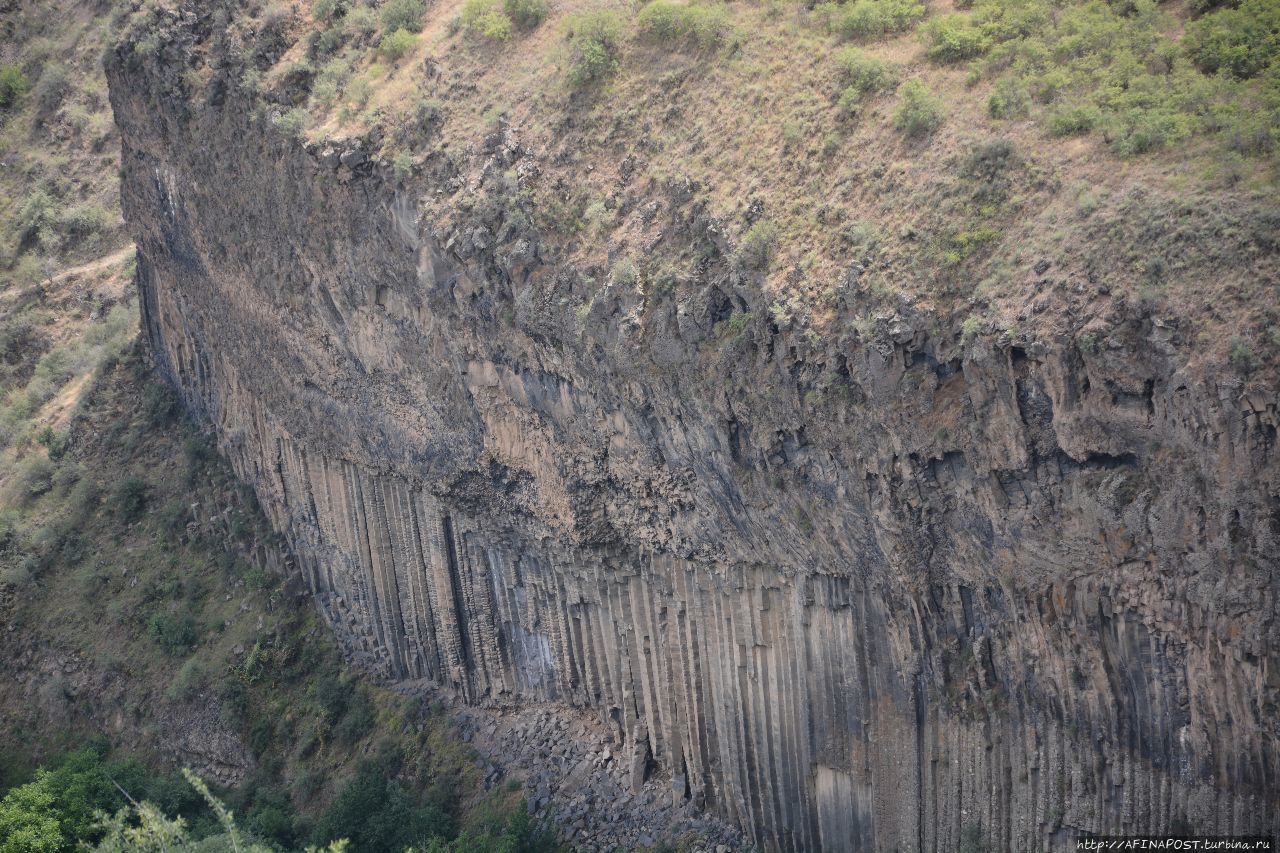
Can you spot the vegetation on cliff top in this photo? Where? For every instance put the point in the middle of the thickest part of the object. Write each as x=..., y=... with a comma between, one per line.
x=847, y=130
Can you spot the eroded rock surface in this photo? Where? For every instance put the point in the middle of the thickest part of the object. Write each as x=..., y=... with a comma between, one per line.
x=869, y=591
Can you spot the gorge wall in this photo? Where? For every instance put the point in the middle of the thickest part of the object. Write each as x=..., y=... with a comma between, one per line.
x=885, y=590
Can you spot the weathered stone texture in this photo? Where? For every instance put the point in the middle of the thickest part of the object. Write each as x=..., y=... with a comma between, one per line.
x=856, y=594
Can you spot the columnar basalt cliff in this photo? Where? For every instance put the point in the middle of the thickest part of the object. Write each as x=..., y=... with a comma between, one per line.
x=888, y=590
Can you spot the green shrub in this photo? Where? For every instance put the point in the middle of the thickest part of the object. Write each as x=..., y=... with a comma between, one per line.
x=1137, y=131
x=624, y=273
x=870, y=19
x=58, y=810
x=1114, y=69
x=862, y=76
x=159, y=405
x=361, y=23
x=495, y=26
x=486, y=19
x=403, y=15
x=396, y=44
x=36, y=214
x=190, y=680
x=129, y=499
x=376, y=813
x=1241, y=354
x=594, y=41
x=671, y=23
x=13, y=85
x=54, y=85
x=326, y=10
x=84, y=221
x=1073, y=120
x=293, y=122
x=920, y=112
x=955, y=38
x=34, y=476
x=1009, y=99
x=1242, y=41
x=735, y=325
x=526, y=14
x=176, y=633
x=759, y=244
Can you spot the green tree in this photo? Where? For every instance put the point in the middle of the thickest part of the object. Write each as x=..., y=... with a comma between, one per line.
x=28, y=821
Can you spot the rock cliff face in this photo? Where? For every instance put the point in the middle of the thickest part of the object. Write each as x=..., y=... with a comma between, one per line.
x=879, y=591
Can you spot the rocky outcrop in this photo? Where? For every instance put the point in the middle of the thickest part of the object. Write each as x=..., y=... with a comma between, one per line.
x=871, y=590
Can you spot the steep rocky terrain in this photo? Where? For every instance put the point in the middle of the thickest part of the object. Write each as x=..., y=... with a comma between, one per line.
x=857, y=572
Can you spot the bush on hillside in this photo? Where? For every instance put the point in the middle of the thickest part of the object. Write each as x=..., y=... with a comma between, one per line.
x=955, y=38
x=176, y=633
x=670, y=23
x=403, y=15
x=52, y=87
x=526, y=14
x=863, y=77
x=396, y=45
x=376, y=812
x=1242, y=42
x=13, y=85
x=870, y=19
x=594, y=41
x=327, y=10
x=486, y=19
x=129, y=499
x=759, y=244
x=920, y=113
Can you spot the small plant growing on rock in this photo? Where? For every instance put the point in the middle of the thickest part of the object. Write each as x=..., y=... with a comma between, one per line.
x=1241, y=354
x=759, y=244
x=735, y=325
x=920, y=113
x=293, y=122
x=625, y=273
x=971, y=327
